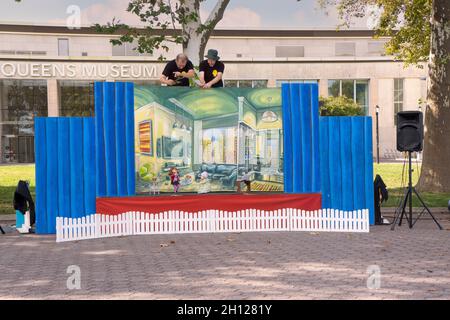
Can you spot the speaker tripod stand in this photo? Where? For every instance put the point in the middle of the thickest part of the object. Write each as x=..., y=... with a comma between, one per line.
x=407, y=199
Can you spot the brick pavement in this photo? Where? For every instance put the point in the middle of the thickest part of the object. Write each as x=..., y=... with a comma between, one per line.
x=414, y=264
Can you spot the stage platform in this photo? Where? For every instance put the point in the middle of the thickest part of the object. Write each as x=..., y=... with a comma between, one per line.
x=200, y=202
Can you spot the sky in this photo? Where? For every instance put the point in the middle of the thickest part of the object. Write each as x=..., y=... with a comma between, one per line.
x=241, y=14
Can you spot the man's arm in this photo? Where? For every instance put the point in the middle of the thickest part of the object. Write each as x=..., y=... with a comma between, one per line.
x=213, y=81
x=165, y=80
x=189, y=74
x=201, y=76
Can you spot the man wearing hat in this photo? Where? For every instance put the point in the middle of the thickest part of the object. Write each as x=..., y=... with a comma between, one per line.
x=211, y=70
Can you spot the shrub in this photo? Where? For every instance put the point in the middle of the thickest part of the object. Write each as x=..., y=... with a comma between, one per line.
x=339, y=106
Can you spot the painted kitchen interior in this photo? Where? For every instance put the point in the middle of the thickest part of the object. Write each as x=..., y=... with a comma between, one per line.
x=225, y=132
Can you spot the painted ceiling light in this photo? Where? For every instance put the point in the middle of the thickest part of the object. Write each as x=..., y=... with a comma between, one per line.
x=269, y=116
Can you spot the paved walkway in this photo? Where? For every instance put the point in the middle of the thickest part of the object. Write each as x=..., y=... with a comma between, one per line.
x=414, y=264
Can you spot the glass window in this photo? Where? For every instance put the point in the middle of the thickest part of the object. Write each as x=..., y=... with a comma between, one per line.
x=358, y=90
x=76, y=98
x=63, y=47
x=334, y=88
x=280, y=82
x=348, y=88
x=260, y=83
x=231, y=83
x=398, y=97
x=127, y=49
x=20, y=102
x=246, y=83
x=362, y=95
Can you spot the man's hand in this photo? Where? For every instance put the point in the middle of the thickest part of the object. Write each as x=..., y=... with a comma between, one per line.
x=178, y=74
x=207, y=85
x=171, y=82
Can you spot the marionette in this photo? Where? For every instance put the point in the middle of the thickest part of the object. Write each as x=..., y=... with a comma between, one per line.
x=205, y=186
x=174, y=179
x=154, y=187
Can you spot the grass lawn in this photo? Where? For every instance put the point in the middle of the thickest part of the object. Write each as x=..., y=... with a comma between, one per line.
x=9, y=177
x=392, y=177
x=390, y=172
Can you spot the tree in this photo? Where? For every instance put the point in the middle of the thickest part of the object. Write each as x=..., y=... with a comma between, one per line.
x=420, y=32
x=161, y=16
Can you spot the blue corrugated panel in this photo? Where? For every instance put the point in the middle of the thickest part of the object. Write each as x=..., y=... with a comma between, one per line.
x=76, y=171
x=287, y=138
x=64, y=168
x=129, y=139
x=324, y=163
x=99, y=141
x=110, y=138
x=120, y=139
x=300, y=109
x=89, y=165
x=296, y=142
x=41, y=174
x=114, y=132
x=52, y=172
x=306, y=139
x=368, y=165
x=346, y=163
x=78, y=159
x=315, y=138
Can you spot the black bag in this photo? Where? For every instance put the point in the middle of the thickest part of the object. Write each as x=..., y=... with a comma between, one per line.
x=23, y=200
x=381, y=195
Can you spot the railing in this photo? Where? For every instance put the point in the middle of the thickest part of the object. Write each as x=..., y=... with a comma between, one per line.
x=173, y=222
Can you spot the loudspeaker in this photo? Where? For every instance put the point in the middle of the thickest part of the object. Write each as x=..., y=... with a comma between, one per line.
x=410, y=131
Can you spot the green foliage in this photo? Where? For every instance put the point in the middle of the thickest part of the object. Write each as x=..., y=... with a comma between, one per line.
x=162, y=20
x=339, y=106
x=407, y=23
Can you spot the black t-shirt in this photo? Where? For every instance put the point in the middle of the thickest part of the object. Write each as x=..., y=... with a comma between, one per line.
x=172, y=67
x=211, y=72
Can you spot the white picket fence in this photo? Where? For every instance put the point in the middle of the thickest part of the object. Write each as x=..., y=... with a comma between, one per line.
x=137, y=223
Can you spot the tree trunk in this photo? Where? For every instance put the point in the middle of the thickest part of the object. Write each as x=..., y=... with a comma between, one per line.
x=191, y=37
x=193, y=49
x=194, y=42
x=435, y=175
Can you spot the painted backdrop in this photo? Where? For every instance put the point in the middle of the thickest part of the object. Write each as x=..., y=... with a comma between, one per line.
x=223, y=134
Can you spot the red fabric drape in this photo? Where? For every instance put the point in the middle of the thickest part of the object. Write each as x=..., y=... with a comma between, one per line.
x=194, y=203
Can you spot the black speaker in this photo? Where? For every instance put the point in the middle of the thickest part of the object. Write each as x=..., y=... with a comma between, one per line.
x=410, y=131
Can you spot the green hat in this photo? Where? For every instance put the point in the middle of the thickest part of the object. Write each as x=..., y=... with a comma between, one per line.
x=213, y=54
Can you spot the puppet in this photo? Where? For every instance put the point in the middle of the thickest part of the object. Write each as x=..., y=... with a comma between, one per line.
x=174, y=178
